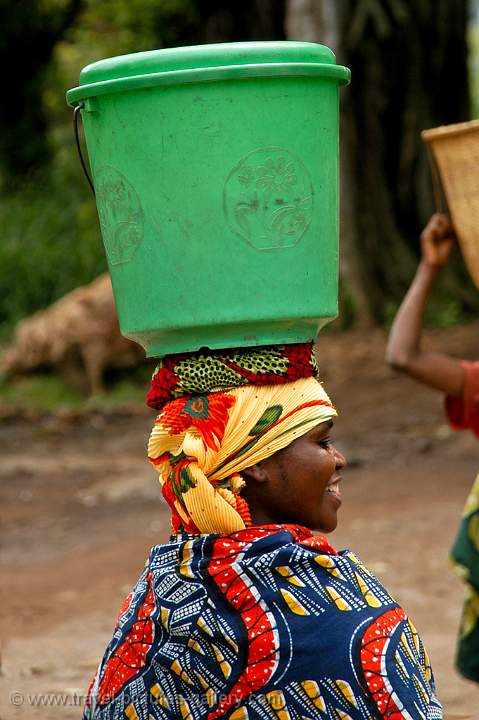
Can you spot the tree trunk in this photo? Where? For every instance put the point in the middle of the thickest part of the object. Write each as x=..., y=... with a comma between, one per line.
x=217, y=21
x=409, y=72
x=30, y=31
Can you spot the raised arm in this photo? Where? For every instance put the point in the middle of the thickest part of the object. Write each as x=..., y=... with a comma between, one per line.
x=403, y=351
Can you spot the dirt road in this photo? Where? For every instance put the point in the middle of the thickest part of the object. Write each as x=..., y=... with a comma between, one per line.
x=81, y=508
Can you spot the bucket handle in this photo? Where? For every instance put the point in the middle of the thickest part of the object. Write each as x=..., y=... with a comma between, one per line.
x=76, y=115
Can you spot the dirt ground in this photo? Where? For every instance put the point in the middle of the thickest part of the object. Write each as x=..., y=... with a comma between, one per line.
x=81, y=507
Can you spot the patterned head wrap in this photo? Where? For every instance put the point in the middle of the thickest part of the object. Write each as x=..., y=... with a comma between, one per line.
x=211, y=371
x=228, y=412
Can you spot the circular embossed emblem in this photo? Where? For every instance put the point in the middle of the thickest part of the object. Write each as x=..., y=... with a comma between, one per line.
x=268, y=199
x=120, y=213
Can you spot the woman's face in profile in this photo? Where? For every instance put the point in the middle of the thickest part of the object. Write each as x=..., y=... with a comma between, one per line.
x=299, y=484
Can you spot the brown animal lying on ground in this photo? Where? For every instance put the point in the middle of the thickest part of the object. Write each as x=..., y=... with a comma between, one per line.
x=79, y=334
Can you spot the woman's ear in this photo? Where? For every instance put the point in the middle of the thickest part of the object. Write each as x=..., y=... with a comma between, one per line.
x=256, y=473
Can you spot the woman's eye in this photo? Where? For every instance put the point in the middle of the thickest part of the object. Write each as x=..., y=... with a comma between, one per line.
x=326, y=443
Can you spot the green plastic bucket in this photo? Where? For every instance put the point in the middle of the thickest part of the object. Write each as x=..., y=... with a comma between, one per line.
x=216, y=177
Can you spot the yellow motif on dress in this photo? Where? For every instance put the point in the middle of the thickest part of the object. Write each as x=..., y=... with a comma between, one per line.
x=338, y=714
x=286, y=572
x=231, y=642
x=371, y=599
x=347, y=691
x=211, y=697
x=427, y=666
x=210, y=694
x=294, y=605
x=159, y=695
x=239, y=714
x=194, y=645
x=165, y=618
x=421, y=689
x=404, y=642
x=186, y=557
x=176, y=667
x=204, y=626
x=184, y=708
x=328, y=564
x=203, y=682
x=354, y=558
x=224, y=665
x=311, y=688
x=278, y=703
x=130, y=712
x=340, y=602
x=415, y=636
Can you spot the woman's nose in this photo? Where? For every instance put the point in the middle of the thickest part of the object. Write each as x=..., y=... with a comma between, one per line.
x=341, y=461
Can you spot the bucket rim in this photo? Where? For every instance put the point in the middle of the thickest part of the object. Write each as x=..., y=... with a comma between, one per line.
x=338, y=73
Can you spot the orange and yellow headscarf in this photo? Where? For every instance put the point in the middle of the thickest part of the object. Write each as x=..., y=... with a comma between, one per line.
x=200, y=443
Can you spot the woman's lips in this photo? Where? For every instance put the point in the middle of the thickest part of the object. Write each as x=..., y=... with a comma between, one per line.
x=333, y=488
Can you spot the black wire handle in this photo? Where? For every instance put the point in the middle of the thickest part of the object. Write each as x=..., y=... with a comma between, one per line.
x=76, y=115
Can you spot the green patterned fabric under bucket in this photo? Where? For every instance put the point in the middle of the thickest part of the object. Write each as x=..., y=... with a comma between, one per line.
x=216, y=177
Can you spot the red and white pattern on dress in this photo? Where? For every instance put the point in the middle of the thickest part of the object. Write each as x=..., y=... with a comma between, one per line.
x=260, y=624
x=130, y=657
x=374, y=647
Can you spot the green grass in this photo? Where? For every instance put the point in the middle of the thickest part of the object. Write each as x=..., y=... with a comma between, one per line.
x=124, y=392
x=51, y=244
x=39, y=392
x=46, y=393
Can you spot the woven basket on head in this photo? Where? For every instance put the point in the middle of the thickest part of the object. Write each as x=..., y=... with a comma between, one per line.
x=455, y=152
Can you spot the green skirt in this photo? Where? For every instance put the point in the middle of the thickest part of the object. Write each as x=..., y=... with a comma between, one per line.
x=465, y=559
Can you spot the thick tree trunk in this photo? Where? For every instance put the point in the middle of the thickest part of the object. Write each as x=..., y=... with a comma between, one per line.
x=409, y=72
x=314, y=21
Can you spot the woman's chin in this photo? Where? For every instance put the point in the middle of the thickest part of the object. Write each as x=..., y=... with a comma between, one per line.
x=327, y=525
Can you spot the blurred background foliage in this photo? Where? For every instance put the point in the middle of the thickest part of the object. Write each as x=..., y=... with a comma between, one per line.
x=50, y=234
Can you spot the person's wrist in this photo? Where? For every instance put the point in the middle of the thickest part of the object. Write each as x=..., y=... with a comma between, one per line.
x=427, y=266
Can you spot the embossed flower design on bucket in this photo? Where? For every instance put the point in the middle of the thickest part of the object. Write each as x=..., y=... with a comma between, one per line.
x=268, y=199
x=120, y=214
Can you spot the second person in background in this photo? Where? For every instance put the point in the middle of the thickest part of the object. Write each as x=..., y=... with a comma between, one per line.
x=459, y=381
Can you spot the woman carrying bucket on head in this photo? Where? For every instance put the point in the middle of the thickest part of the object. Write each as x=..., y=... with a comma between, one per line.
x=246, y=613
